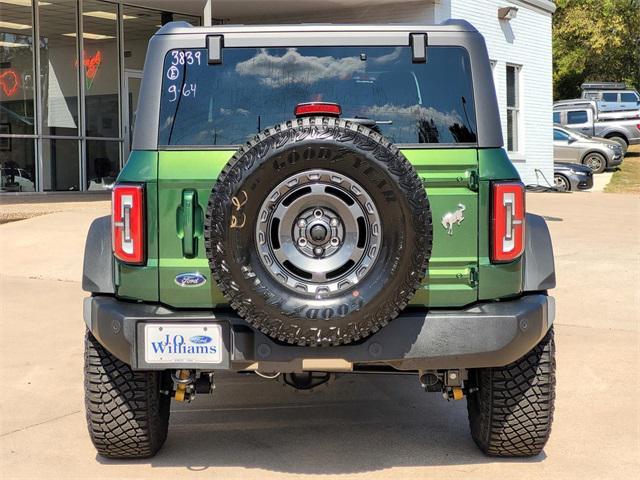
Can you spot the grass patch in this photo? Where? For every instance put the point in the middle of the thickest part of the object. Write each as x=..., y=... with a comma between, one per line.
x=627, y=178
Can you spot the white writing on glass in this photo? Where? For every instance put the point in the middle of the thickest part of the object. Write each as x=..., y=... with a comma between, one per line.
x=180, y=57
x=188, y=90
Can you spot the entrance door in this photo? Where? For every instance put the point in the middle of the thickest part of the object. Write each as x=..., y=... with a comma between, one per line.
x=132, y=81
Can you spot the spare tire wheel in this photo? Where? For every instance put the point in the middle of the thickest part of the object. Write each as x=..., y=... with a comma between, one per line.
x=318, y=231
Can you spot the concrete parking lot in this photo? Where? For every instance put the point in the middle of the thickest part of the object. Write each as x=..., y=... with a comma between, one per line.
x=359, y=427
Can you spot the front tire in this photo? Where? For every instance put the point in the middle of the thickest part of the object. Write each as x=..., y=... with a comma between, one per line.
x=127, y=411
x=511, y=412
x=596, y=162
x=561, y=183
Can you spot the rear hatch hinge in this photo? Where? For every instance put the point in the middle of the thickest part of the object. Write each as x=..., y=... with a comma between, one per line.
x=473, y=277
x=474, y=180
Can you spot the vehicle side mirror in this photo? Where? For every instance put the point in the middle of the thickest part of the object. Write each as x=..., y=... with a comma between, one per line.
x=571, y=140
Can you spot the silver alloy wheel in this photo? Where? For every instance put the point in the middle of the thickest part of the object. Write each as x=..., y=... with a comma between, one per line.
x=561, y=183
x=593, y=161
x=318, y=232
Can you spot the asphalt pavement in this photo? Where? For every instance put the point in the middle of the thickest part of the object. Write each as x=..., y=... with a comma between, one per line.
x=359, y=426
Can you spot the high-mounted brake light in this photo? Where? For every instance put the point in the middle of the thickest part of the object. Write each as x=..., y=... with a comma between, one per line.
x=318, y=108
x=127, y=223
x=507, y=221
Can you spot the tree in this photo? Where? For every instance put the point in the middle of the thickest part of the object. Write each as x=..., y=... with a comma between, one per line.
x=595, y=40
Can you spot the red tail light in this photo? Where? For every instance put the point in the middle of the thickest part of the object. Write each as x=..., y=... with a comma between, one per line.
x=318, y=108
x=507, y=221
x=127, y=223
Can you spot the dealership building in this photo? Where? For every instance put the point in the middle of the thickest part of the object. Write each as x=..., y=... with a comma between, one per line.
x=70, y=74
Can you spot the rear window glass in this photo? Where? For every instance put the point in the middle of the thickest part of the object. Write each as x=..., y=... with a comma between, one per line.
x=556, y=117
x=579, y=116
x=254, y=88
x=610, y=97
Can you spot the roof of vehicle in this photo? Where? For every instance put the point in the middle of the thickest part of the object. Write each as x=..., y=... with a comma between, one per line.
x=576, y=102
x=604, y=86
x=450, y=25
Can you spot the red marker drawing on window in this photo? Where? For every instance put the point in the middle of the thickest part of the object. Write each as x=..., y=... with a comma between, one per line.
x=91, y=66
x=10, y=81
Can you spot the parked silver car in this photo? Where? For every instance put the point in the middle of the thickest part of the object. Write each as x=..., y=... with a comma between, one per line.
x=594, y=152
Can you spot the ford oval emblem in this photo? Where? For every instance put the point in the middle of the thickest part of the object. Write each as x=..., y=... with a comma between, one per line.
x=190, y=279
x=200, y=339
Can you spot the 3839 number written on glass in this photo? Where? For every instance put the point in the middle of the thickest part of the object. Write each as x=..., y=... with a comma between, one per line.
x=180, y=58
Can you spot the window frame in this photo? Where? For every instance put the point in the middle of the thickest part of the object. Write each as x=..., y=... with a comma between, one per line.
x=561, y=132
x=569, y=112
x=633, y=94
x=404, y=146
x=516, y=135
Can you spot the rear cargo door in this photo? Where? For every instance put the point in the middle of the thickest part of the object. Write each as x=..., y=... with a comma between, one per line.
x=451, y=179
x=423, y=102
x=185, y=180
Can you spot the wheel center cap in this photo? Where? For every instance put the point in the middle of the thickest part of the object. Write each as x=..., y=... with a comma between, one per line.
x=318, y=233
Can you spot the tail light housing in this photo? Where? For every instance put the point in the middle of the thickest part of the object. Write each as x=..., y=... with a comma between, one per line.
x=507, y=221
x=127, y=223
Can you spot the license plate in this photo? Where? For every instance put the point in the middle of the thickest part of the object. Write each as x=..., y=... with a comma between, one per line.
x=183, y=343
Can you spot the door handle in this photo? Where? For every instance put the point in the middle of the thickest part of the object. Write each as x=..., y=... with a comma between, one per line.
x=189, y=223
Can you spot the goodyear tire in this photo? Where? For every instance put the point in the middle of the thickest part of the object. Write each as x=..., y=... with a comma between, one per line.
x=318, y=231
x=511, y=407
x=127, y=412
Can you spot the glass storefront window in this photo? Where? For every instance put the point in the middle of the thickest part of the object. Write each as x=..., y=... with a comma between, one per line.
x=103, y=163
x=42, y=138
x=16, y=69
x=101, y=71
x=17, y=155
x=59, y=67
x=60, y=165
x=17, y=161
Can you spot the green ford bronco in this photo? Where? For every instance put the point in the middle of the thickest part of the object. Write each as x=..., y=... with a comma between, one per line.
x=308, y=200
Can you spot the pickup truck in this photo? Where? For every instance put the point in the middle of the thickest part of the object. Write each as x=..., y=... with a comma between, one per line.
x=585, y=116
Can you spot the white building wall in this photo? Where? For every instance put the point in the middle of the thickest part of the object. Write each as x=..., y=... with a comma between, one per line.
x=400, y=12
x=523, y=41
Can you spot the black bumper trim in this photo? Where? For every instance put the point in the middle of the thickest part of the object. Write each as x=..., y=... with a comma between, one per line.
x=484, y=335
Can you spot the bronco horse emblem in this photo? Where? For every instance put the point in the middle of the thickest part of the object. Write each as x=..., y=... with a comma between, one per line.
x=451, y=218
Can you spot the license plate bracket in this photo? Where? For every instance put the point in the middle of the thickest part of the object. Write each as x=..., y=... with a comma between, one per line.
x=183, y=345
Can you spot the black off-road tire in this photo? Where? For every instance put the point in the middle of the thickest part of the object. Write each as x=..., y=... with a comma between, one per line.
x=127, y=413
x=350, y=150
x=511, y=412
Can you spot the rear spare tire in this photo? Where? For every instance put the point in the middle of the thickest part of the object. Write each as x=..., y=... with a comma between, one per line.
x=318, y=231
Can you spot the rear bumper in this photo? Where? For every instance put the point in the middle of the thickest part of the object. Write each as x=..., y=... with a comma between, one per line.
x=484, y=335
